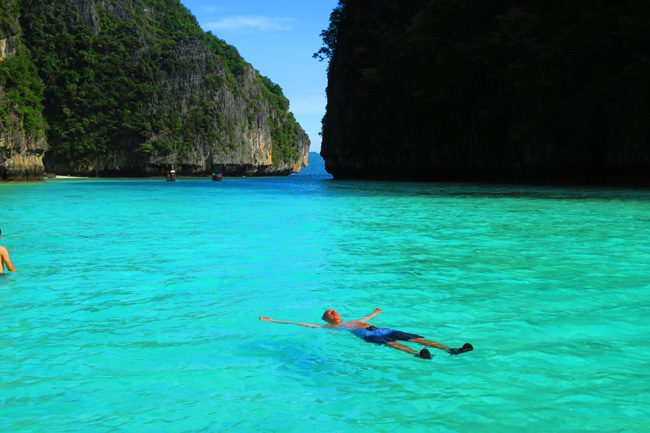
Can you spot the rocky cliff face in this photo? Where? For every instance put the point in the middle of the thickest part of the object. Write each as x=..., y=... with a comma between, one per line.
x=498, y=91
x=241, y=120
x=134, y=86
x=22, y=143
x=21, y=153
x=8, y=46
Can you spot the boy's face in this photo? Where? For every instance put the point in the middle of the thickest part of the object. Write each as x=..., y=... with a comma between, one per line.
x=331, y=316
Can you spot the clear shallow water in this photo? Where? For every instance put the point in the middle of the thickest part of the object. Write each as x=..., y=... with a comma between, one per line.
x=135, y=307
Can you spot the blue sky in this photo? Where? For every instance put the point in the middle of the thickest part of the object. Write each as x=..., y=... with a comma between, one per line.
x=278, y=37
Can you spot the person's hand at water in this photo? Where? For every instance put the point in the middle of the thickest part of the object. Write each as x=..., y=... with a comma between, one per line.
x=265, y=319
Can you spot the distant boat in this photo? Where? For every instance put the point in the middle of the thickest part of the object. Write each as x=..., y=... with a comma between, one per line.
x=217, y=174
x=170, y=174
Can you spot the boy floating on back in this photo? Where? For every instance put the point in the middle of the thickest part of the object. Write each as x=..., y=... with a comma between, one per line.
x=372, y=334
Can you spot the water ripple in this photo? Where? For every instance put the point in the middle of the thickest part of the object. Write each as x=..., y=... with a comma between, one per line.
x=135, y=307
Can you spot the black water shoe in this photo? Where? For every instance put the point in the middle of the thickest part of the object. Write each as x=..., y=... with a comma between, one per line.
x=457, y=351
x=424, y=354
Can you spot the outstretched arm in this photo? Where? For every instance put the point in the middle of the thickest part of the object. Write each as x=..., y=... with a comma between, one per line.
x=309, y=325
x=370, y=316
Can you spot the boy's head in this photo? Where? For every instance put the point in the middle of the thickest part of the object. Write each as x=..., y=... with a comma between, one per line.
x=331, y=316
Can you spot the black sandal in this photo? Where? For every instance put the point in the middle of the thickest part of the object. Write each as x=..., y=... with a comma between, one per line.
x=424, y=354
x=457, y=351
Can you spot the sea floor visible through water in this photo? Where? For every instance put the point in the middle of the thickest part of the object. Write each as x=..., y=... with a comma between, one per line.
x=135, y=306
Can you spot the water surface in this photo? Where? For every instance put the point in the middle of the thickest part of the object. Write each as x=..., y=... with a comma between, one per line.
x=135, y=307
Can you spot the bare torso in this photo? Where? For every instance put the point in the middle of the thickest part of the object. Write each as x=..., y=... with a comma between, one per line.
x=4, y=260
x=352, y=325
x=3, y=251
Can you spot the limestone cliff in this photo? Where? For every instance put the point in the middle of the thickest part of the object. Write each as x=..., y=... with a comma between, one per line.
x=134, y=85
x=22, y=135
x=498, y=91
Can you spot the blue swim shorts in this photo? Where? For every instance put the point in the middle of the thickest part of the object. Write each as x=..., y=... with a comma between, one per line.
x=376, y=335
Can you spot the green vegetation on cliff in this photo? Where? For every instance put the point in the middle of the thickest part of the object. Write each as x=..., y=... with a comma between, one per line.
x=9, y=12
x=21, y=89
x=509, y=90
x=136, y=82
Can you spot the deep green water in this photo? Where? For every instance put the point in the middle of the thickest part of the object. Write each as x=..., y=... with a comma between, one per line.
x=135, y=304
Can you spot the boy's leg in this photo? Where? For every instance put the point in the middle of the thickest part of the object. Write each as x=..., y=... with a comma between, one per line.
x=424, y=353
x=429, y=343
x=466, y=347
x=396, y=345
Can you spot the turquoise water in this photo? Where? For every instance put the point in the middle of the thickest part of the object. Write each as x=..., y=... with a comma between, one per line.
x=135, y=307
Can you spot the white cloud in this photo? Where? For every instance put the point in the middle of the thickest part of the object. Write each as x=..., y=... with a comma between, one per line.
x=247, y=22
